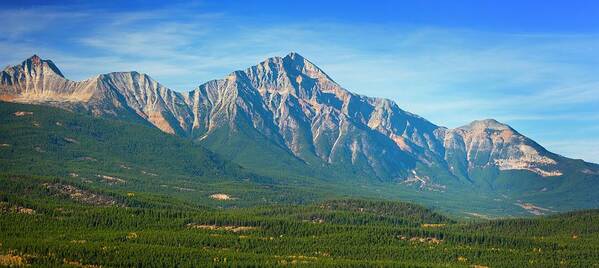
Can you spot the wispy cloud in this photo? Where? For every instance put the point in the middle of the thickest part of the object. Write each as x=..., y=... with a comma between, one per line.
x=450, y=76
x=18, y=23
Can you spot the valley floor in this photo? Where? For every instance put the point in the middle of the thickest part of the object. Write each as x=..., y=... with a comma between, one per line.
x=42, y=224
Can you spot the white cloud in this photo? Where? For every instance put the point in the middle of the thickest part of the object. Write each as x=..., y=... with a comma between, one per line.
x=450, y=76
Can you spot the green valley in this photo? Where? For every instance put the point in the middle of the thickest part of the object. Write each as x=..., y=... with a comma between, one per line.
x=42, y=227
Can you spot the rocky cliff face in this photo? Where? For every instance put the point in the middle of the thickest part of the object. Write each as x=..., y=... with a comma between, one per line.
x=296, y=106
x=36, y=80
x=488, y=143
x=122, y=94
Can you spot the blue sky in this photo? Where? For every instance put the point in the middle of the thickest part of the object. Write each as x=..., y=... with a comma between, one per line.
x=531, y=64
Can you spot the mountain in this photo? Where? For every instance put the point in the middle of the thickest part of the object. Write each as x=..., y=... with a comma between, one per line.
x=287, y=117
x=490, y=143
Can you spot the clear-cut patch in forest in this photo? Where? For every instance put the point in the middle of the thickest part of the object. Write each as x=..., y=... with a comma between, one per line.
x=5, y=207
x=111, y=179
x=22, y=113
x=222, y=197
x=230, y=228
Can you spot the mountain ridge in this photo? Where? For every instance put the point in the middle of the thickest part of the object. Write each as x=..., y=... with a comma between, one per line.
x=291, y=108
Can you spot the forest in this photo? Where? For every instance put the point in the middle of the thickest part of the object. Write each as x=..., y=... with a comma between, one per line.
x=48, y=222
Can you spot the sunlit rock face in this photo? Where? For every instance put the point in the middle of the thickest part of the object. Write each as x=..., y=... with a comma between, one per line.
x=160, y=106
x=37, y=80
x=489, y=143
x=295, y=105
x=40, y=81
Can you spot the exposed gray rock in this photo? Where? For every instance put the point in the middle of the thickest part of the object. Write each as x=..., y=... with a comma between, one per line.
x=490, y=143
x=296, y=106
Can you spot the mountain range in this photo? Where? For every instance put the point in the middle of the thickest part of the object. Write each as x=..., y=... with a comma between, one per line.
x=285, y=117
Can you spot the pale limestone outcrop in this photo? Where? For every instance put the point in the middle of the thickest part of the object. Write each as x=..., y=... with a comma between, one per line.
x=490, y=143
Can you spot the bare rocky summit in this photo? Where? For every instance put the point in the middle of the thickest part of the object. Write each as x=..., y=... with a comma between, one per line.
x=490, y=143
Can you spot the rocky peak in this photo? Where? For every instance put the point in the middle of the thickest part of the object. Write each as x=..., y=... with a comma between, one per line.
x=294, y=62
x=292, y=74
x=36, y=59
x=39, y=80
x=490, y=124
x=295, y=55
x=485, y=143
x=36, y=65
